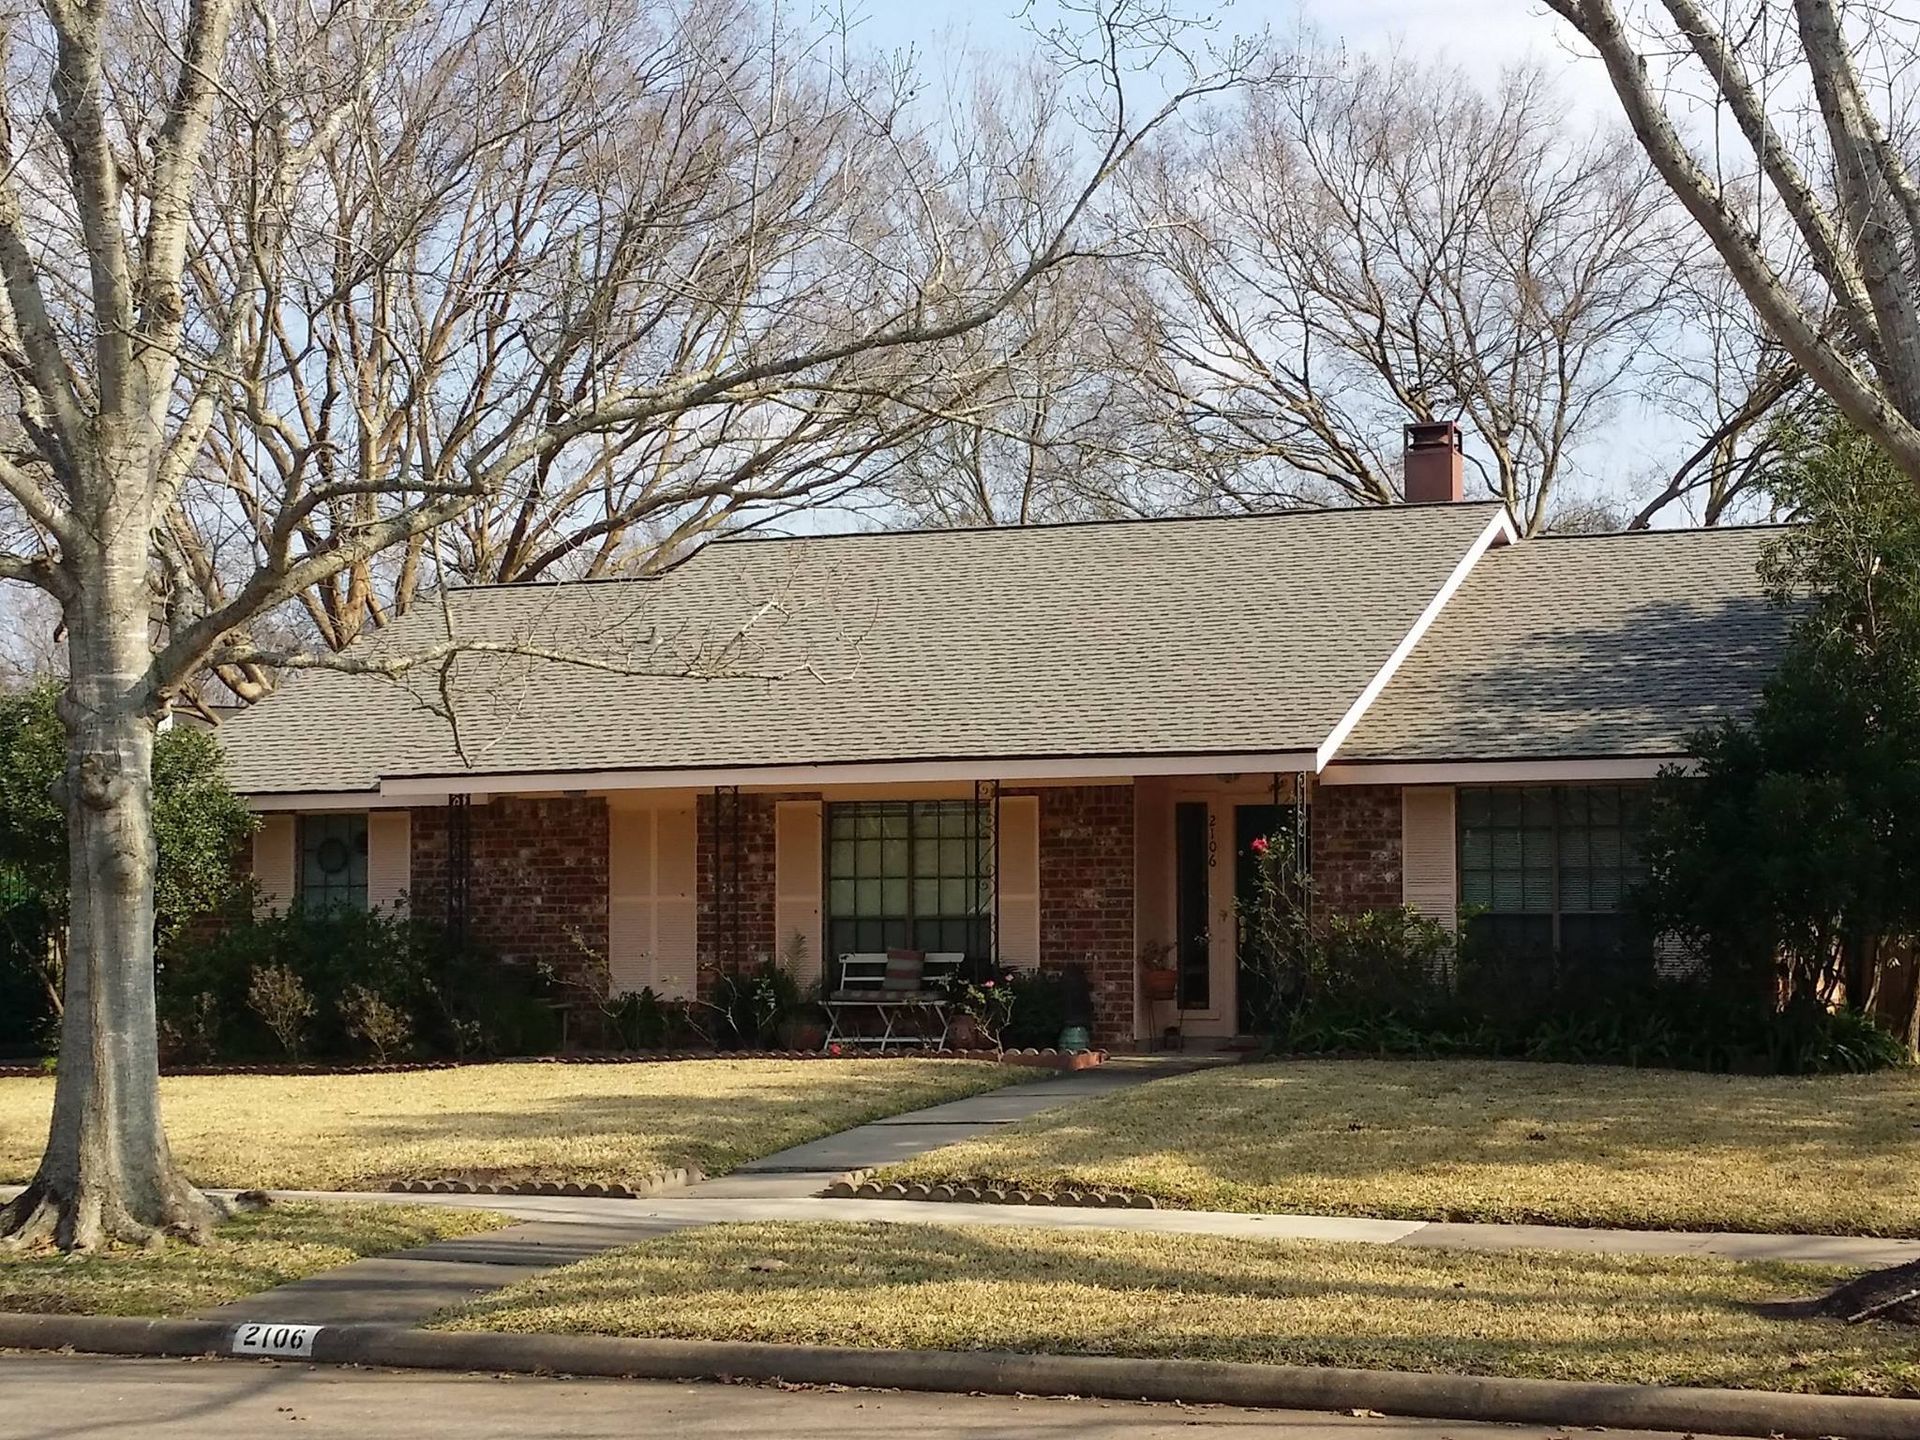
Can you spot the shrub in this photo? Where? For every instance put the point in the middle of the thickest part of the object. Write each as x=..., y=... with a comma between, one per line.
x=1039, y=1009
x=752, y=1005
x=1396, y=983
x=455, y=999
x=275, y=993
x=371, y=1017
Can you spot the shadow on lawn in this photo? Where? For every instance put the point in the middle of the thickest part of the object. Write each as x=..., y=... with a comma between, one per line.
x=1570, y=1316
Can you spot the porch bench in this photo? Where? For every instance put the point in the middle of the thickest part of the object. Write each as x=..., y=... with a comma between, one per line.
x=863, y=991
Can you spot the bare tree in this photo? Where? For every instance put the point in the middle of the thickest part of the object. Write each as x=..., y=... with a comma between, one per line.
x=1390, y=244
x=364, y=273
x=1717, y=370
x=1803, y=177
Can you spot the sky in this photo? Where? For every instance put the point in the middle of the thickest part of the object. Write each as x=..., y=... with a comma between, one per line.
x=1481, y=37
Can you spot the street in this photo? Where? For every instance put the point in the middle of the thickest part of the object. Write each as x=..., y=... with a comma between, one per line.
x=66, y=1397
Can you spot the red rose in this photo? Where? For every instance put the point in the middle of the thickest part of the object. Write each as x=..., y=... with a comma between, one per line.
x=1259, y=846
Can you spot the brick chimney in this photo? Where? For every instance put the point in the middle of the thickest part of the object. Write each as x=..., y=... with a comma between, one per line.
x=1435, y=467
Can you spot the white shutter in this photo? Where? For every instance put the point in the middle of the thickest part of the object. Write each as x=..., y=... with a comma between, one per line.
x=797, y=872
x=651, y=900
x=1018, y=880
x=389, y=857
x=274, y=861
x=629, y=899
x=675, y=901
x=1429, y=869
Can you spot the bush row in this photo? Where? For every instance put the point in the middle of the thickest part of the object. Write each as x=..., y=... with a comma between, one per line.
x=1395, y=983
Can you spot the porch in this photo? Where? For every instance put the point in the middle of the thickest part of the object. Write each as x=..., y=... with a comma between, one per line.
x=667, y=889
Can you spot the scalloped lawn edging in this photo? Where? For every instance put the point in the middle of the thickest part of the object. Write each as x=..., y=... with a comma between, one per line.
x=675, y=1179
x=984, y=1192
x=1044, y=1058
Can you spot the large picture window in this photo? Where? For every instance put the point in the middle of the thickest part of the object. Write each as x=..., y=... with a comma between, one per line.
x=909, y=874
x=333, y=862
x=1550, y=867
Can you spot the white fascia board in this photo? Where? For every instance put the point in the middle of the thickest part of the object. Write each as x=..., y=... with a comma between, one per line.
x=1504, y=772
x=1110, y=768
x=1499, y=528
x=341, y=800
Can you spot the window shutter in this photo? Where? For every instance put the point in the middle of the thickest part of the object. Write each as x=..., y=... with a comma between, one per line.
x=650, y=900
x=1019, y=880
x=1429, y=869
x=630, y=959
x=274, y=861
x=675, y=902
x=389, y=857
x=797, y=871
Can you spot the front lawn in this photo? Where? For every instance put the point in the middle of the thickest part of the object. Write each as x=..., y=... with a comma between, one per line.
x=254, y=1251
x=1628, y=1319
x=1479, y=1140
x=601, y=1123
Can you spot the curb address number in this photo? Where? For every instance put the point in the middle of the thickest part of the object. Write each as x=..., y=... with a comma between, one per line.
x=263, y=1338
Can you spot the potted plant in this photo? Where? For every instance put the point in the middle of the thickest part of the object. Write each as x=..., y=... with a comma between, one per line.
x=1159, y=981
x=982, y=1002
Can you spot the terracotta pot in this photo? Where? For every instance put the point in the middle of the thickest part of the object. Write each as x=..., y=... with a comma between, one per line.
x=1161, y=984
x=964, y=1034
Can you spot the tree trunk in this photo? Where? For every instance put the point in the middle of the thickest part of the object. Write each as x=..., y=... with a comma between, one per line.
x=107, y=1174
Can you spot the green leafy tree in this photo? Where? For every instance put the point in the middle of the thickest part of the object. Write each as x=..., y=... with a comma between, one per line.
x=1792, y=857
x=199, y=824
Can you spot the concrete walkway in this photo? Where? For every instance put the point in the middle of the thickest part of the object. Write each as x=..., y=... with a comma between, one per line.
x=408, y=1285
x=678, y=1209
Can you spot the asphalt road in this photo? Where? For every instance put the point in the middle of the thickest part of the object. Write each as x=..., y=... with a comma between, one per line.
x=71, y=1397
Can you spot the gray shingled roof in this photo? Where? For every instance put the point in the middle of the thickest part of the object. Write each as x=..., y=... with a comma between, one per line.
x=1136, y=638
x=1584, y=646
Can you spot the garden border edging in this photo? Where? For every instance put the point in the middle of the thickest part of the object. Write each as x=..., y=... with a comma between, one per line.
x=1065, y=1061
x=1193, y=1382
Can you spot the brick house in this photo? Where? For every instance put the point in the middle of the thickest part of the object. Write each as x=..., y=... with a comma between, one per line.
x=1051, y=744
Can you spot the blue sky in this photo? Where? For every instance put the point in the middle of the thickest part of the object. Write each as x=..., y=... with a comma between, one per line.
x=1478, y=35
x=1481, y=37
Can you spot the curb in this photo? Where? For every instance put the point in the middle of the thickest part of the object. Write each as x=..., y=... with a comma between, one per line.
x=1192, y=1382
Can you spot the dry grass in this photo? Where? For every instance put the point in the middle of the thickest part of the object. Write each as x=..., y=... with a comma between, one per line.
x=1553, y=1315
x=252, y=1252
x=1460, y=1140
x=508, y=1122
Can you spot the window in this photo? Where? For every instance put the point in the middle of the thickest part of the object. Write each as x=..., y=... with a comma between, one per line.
x=1551, y=867
x=909, y=874
x=333, y=862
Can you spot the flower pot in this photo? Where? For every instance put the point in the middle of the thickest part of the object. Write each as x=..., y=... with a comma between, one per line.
x=1161, y=984
x=964, y=1034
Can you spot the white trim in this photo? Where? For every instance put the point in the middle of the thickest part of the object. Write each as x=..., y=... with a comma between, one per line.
x=808, y=777
x=1499, y=528
x=341, y=800
x=1493, y=772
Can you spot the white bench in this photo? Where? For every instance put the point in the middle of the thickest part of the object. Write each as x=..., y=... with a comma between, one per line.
x=863, y=991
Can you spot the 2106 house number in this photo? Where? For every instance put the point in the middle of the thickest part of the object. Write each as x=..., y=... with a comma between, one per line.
x=266, y=1338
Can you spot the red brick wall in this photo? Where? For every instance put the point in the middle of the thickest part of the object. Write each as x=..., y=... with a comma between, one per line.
x=1355, y=844
x=738, y=935
x=1086, y=895
x=537, y=886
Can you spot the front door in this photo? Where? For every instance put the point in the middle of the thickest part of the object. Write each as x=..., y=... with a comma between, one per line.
x=1251, y=823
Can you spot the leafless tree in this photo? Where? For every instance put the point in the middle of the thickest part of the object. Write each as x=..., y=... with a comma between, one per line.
x=358, y=276
x=1392, y=244
x=1801, y=174
x=1715, y=370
